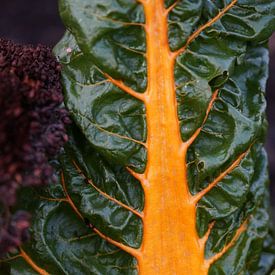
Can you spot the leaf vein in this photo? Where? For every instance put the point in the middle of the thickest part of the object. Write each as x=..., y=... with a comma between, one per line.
x=203, y=27
x=105, y=194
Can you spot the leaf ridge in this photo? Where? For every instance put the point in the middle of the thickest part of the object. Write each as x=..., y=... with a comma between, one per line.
x=110, y=133
x=168, y=10
x=105, y=194
x=129, y=49
x=203, y=27
x=240, y=230
x=132, y=251
x=69, y=200
x=198, y=131
x=234, y=165
x=122, y=86
x=10, y=258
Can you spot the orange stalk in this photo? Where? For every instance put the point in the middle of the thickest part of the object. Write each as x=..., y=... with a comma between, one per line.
x=171, y=244
x=170, y=240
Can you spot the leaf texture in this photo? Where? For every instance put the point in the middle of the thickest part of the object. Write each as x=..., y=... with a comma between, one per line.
x=65, y=216
x=99, y=218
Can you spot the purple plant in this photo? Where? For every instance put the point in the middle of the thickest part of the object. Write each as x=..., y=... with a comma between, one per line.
x=32, y=129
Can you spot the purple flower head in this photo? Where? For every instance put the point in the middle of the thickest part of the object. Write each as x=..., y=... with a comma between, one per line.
x=32, y=126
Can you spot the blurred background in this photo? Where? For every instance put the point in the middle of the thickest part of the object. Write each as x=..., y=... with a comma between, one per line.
x=37, y=21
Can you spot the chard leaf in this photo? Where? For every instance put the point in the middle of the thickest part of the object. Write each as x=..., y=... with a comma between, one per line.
x=66, y=215
x=165, y=171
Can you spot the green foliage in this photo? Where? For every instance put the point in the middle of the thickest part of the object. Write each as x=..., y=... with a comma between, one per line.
x=105, y=39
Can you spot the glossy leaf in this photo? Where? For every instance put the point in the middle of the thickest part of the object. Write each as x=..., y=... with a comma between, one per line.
x=65, y=214
x=165, y=171
x=112, y=120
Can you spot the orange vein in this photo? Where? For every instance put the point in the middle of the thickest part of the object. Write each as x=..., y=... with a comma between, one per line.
x=142, y=1
x=238, y=233
x=202, y=28
x=204, y=239
x=140, y=177
x=10, y=258
x=134, y=252
x=234, y=165
x=109, y=132
x=125, y=88
x=168, y=10
x=53, y=199
x=105, y=194
x=69, y=200
x=116, y=201
x=210, y=105
x=35, y=267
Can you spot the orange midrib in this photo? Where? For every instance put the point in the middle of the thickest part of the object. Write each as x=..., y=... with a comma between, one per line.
x=170, y=241
x=34, y=266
